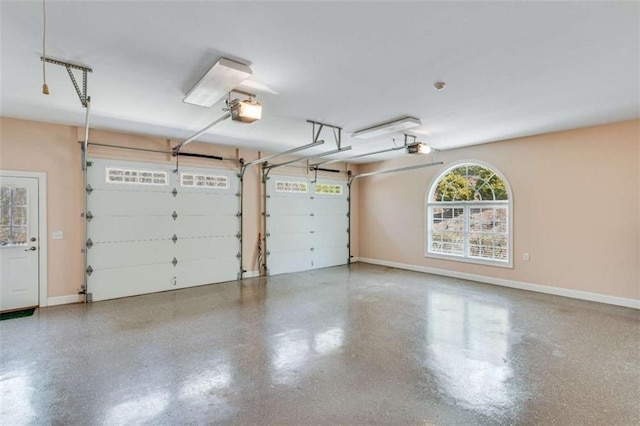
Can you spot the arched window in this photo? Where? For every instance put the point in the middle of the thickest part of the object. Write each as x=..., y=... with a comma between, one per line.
x=469, y=215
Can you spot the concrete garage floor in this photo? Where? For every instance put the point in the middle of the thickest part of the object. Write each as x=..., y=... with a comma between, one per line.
x=364, y=344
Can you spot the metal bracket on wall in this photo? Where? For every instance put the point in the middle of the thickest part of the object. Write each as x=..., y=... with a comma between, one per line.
x=82, y=94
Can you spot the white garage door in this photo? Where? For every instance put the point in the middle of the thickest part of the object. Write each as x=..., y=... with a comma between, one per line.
x=154, y=230
x=306, y=224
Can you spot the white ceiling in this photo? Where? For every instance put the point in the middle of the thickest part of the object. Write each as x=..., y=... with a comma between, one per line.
x=511, y=68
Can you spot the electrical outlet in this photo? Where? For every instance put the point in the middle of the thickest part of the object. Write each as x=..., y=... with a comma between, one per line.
x=525, y=256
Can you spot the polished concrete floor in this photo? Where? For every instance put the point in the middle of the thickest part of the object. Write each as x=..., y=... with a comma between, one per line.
x=357, y=345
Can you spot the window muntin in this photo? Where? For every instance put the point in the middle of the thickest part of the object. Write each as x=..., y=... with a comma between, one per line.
x=13, y=215
x=469, y=215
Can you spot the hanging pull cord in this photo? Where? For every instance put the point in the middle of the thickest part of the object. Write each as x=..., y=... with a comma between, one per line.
x=45, y=88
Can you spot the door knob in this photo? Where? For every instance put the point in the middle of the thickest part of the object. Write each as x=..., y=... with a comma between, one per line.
x=32, y=248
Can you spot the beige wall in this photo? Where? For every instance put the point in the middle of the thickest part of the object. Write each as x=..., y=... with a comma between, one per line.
x=54, y=150
x=576, y=209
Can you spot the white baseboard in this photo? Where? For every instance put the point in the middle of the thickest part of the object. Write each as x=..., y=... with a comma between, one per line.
x=574, y=294
x=63, y=300
x=355, y=259
x=251, y=274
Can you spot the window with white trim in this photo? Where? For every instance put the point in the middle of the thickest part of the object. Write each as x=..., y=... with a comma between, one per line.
x=469, y=215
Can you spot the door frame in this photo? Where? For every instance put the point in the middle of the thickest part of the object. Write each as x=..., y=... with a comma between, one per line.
x=42, y=228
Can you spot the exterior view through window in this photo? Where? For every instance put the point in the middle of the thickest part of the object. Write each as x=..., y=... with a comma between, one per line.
x=468, y=215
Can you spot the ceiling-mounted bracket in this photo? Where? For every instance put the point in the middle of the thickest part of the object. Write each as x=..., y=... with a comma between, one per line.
x=337, y=132
x=82, y=94
x=414, y=139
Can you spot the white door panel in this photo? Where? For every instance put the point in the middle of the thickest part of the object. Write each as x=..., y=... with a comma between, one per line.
x=130, y=228
x=207, y=248
x=202, y=204
x=288, y=224
x=330, y=239
x=122, y=282
x=292, y=261
x=130, y=203
x=289, y=242
x=195, y=226
x=19, y=243
x=208, y=271
x=132, y=253
x=298, y=206
x=325, y=257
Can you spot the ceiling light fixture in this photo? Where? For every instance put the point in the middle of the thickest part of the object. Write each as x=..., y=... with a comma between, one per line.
x=223, y=77
x=400, y=124
x=246, y=111
x=419, y=148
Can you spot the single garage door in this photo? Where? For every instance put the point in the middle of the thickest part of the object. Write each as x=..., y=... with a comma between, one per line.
x=307, y=224
x=152, y=230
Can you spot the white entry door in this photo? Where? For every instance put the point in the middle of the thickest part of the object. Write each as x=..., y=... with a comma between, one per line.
x=19, y=243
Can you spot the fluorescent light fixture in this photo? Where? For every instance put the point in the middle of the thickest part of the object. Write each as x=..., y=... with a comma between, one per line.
x=388, y=127
x=418, y=148
x=246, y=111
x=223, y=76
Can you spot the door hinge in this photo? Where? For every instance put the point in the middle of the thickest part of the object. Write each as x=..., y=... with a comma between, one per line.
x=89, y=216
x=174, y=215
x=174, y=261
x=89, y=243
x=89, y=270
x=89, y=189
x=174, y=192
x=174, y=238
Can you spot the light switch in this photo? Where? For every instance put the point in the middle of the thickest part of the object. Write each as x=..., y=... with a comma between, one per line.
x=57, y=235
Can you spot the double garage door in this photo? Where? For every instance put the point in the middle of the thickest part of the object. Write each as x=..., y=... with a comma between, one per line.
x=151, y=229
x=307, y=224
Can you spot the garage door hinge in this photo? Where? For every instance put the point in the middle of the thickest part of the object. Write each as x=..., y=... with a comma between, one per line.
x=88, y=297
x=174, y=192
x=238, y=214
x=348, y=230
x=268, y=215
x=347, y=214
x=89, y=189
x=238, y=194
x=268, y=234
x=174, y=238
x=312, y=198
x=174, y=215
x=238, y=255
x=348, y=245
x=89, y=163
x=312, y=249
x=238, y=235
x=89, y=243
x=89, y=216
x=174, y=261
x=312, y=214
x=268, y=253
x=312, y=232
x=348, y=199
x=268, y=196
x=89, y=270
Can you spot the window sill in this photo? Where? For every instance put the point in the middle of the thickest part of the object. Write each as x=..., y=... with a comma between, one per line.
x=508, y=265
